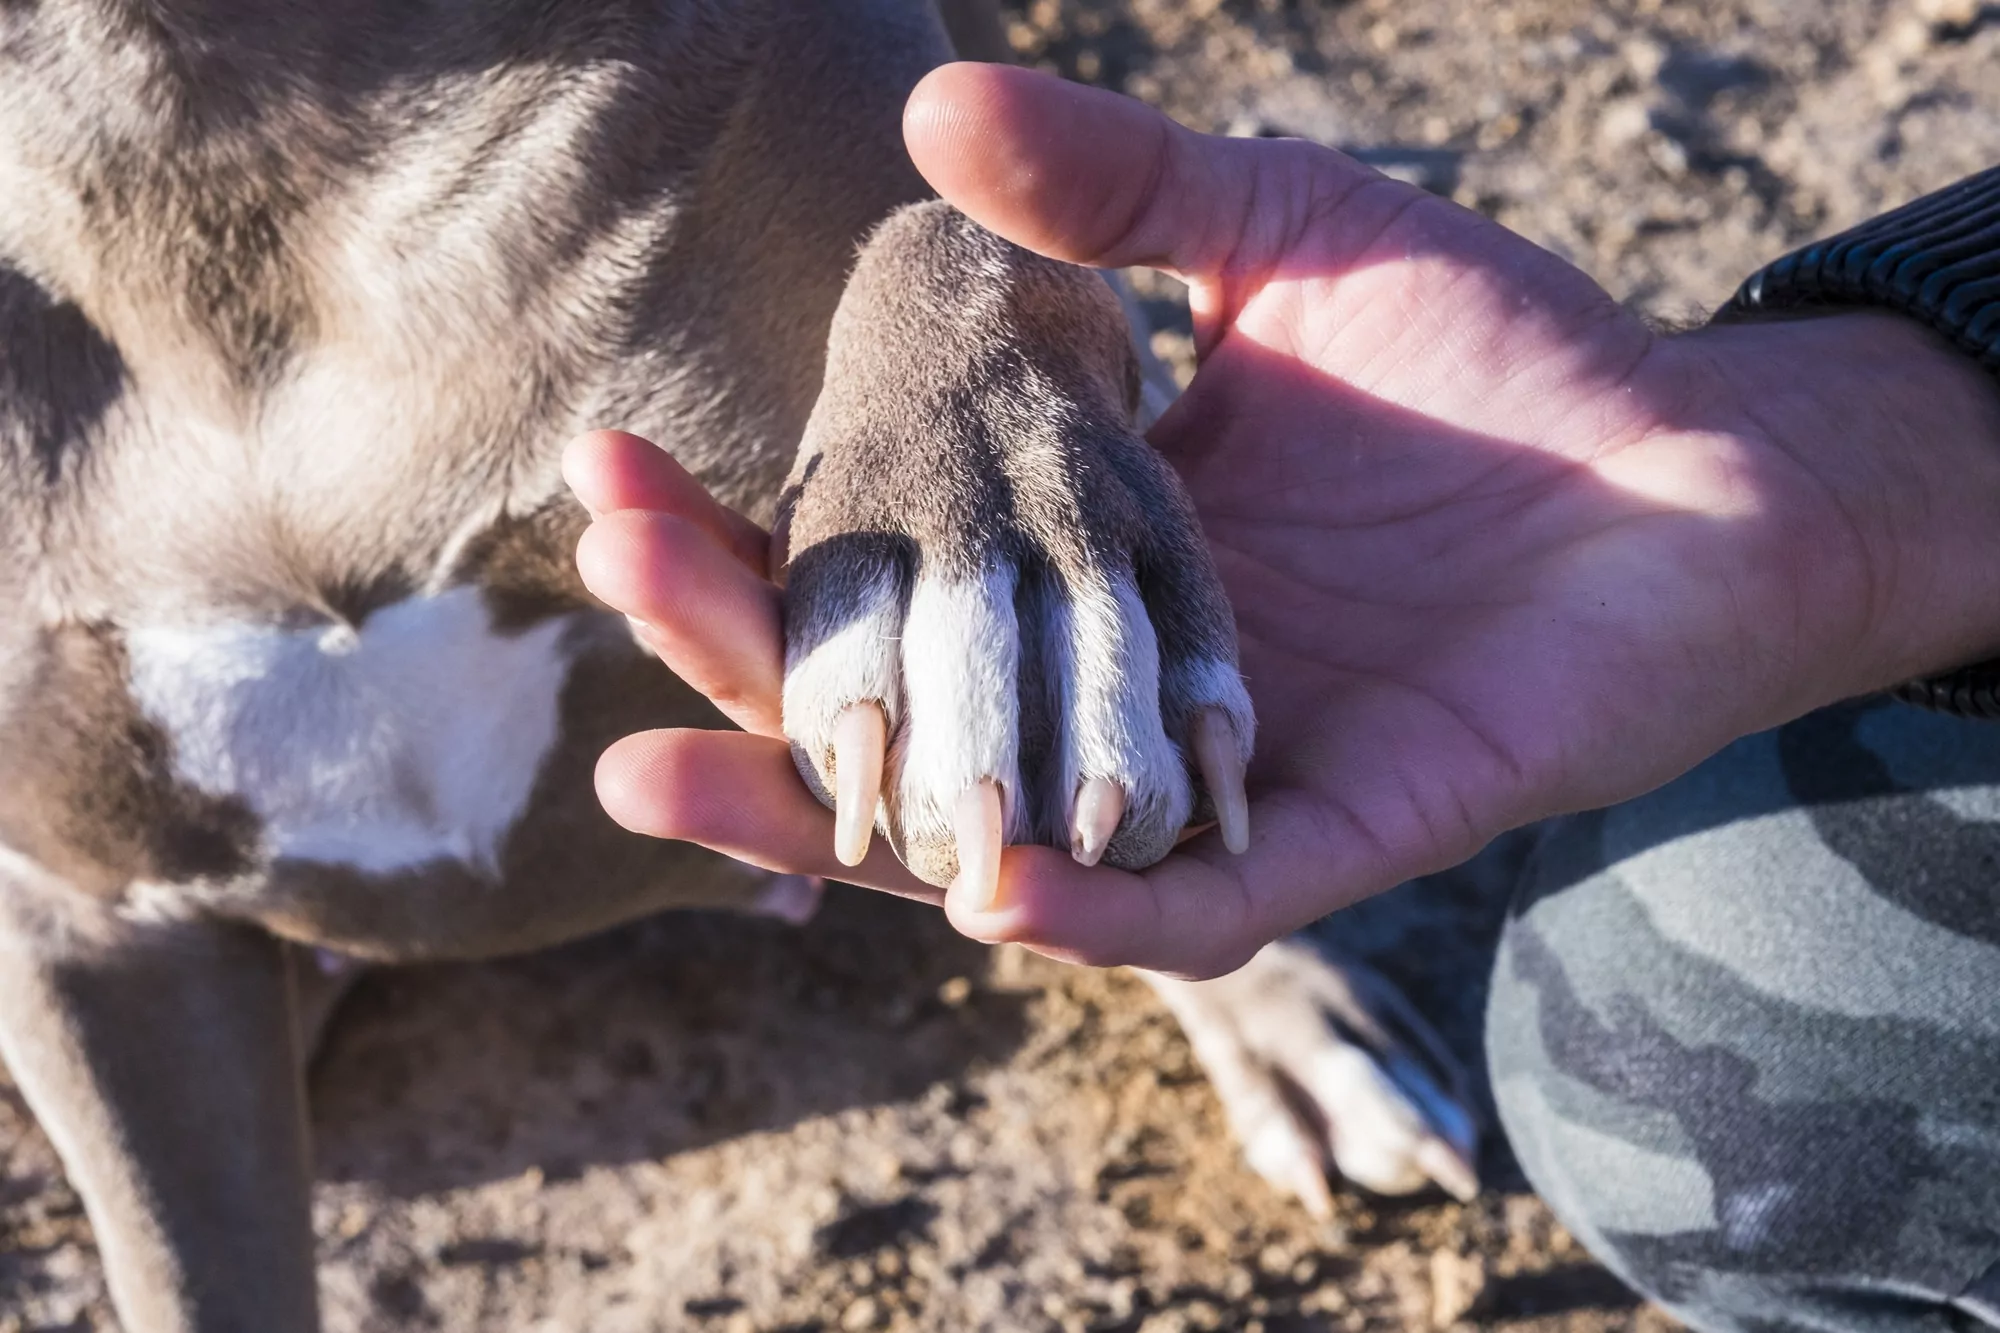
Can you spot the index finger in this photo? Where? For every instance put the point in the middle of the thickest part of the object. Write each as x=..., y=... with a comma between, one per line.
x=613, y=470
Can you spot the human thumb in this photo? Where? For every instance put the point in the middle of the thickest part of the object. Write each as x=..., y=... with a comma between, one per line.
x=1091, y=177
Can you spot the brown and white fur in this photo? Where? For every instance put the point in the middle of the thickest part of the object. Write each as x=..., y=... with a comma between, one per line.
x=297, y=306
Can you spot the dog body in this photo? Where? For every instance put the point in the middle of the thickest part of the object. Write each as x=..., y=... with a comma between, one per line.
x=295, y=383
x=297, y=307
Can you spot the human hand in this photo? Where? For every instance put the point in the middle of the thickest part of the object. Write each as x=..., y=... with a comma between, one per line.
x=1496, y=550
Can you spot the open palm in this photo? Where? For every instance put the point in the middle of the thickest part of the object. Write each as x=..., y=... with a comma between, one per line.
x=1496, y=550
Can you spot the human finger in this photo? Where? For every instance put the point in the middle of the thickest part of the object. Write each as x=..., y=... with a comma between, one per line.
x=613, y=470
x=1200, y=913
x=713, y=621
x=1010, y=146
x=740, y=795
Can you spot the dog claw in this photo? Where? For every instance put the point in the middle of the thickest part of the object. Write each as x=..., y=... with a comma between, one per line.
x=1449, y=1168
x=860, y=737
x=1099, y=807
x=1222, y=772
x=978, y=825
x=1283, y=1154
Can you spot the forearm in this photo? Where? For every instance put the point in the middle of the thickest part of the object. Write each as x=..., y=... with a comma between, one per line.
x=1892, y=544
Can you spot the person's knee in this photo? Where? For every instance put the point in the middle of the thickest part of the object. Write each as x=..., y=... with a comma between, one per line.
x=1620, y=1173
x=1710, y=1071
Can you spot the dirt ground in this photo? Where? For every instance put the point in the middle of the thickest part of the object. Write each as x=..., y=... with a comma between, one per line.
x=725, y=1126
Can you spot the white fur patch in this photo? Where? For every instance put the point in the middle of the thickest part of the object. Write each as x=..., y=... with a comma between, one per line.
x=857, y=662
x=415, y=739
x=1107, y=697
x=961, y=678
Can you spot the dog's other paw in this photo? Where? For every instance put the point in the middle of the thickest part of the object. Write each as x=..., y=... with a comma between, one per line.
x=1320, y=1064
x=1002, y=623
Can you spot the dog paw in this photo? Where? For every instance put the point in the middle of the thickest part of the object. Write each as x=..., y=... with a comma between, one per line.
x=1322, y=1065
x=1002, y=623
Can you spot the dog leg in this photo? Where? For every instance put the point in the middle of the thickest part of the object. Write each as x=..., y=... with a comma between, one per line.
x=162, y=1060
x=1002, y=622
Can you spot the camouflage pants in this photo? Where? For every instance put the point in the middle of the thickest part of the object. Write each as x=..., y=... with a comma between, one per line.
x=1745, y=1031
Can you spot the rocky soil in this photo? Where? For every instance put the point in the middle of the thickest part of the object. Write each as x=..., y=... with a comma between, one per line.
x=724, y=1126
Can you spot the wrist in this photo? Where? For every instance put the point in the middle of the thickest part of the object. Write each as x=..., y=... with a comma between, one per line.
x=1885, y=536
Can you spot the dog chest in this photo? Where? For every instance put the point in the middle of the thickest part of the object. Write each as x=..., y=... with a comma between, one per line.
x=415, y=737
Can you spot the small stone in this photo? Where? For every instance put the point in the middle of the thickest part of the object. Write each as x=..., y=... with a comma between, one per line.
x=1949, y=13
x=1204, y=1317
x=955, y=992
x=1669, y=155
x=1499, y=130
x=1325, y=1300
x=1646, y=56
x=1623, y=123
x=1457, y=1281
x=864, y=1313
x=1909, y=38
x=353, y=1221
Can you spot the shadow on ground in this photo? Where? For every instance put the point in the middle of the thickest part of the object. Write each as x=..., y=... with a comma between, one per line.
x=647, y=1042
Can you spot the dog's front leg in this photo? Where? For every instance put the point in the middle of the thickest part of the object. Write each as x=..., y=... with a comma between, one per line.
x=1002, y=623
x=161, y=1060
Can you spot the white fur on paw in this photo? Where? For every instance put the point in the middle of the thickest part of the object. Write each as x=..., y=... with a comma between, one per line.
x=857, y=663
x=1206, y=682
x=948, y=671
x=1284, y=1153
x=961, y=658
x=1102, y=667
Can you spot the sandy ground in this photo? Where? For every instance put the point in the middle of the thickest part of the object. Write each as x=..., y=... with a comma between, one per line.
x=711, y=1124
